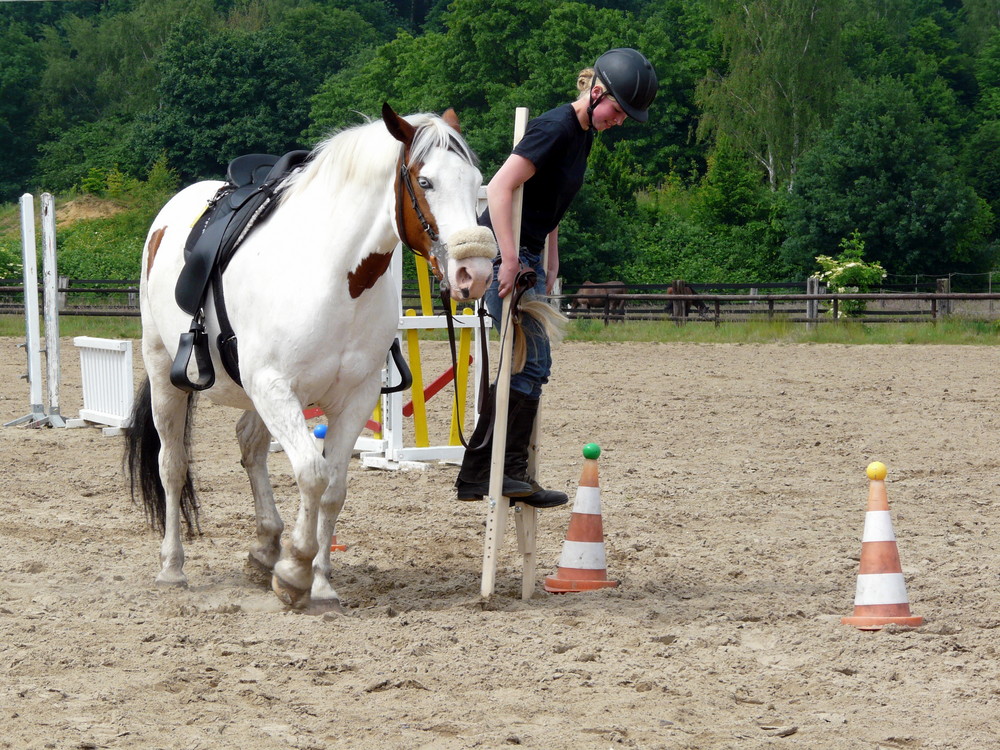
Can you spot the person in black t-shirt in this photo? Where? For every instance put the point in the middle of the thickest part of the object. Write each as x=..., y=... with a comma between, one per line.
x=549, y=161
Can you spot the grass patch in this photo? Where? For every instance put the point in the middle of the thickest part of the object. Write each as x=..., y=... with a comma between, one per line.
x=79, y=325
x=953, y=331
x=950, y=332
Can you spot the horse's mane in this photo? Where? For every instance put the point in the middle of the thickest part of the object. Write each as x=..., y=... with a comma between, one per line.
x=367, y=153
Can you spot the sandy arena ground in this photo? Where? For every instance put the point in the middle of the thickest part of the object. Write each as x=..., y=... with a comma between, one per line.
x=733, y=491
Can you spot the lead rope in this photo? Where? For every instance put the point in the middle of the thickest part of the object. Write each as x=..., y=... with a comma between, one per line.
x=524, y=281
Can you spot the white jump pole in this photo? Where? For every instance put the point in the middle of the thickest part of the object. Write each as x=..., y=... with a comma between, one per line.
x=496, y=519
x=50, y=296
x=32, y=333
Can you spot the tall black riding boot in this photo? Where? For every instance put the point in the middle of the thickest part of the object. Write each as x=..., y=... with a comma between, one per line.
x=473, y=481
x=523, y=411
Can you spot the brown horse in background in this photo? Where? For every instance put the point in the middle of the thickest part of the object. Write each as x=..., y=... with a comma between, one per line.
x=682, y=308
x=594, y=295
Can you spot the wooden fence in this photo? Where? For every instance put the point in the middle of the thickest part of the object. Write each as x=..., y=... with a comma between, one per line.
x=711, y=303
x=793, y=308
x=115, y=297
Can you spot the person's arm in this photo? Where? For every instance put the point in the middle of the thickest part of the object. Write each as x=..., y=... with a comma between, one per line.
x=500, y=195
x=552, y=260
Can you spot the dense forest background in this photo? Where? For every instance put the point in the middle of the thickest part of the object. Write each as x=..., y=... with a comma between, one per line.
x=783, y=129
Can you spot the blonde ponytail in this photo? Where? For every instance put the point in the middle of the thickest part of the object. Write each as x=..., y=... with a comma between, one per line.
x=584, y=80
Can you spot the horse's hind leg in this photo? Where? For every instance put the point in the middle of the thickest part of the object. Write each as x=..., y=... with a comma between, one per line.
x=255, y=441
x=170, y=415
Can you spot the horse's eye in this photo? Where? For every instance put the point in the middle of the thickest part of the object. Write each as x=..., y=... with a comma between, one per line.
x=425, y=183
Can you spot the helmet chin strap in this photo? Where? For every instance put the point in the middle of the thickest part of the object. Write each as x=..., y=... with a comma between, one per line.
x=593, y=104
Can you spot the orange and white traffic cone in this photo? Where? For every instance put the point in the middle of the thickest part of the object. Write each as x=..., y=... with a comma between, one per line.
x=335, y=546
x=582, y=565
x=880, y=598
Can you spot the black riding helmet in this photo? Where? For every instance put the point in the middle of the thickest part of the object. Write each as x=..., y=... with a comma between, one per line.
x=630, y=79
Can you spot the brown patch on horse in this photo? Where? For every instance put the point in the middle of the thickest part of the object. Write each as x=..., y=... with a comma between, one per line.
x=154, y=245
x=368, y=271
x=410, y=227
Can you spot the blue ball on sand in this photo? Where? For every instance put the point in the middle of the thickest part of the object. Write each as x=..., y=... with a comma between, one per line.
x=320, y=431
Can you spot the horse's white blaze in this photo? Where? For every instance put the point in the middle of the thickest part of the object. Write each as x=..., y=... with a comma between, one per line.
x=453, y=203
x=303, y=338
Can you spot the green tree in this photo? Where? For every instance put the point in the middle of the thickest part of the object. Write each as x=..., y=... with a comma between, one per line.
x=731, y=192
x=105, y=64
x=784, y=66
x=918, y=44
x=981, y=168
x=328, y=38
x=20, y=70
x=884, y=170
x=982, y=18
x=227, y=93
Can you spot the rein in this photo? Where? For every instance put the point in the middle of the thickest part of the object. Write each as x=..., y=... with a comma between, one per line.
x=524, y=281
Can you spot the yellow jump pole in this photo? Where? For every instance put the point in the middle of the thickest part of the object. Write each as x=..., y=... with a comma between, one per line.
x=420, y=438
x=424, y=285
x=377, y=418
x=496, y=519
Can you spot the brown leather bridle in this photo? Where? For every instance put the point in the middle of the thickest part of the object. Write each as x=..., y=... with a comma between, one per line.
x=408, y=203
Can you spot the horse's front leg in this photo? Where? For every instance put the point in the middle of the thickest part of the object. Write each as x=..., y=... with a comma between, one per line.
x=329, y=511
x=337, y=447
x=255, y=441
x=331, y=503
x=281, y=412
x=344, y=426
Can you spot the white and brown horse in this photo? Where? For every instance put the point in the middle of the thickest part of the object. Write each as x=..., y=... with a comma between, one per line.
x=315, y=312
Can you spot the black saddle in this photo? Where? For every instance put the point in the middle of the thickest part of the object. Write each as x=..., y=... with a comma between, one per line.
x=253, y=183
x=249, y=195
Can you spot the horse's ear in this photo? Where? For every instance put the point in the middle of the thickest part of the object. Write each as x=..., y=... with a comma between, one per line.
x=401, y=130
x=451, y=118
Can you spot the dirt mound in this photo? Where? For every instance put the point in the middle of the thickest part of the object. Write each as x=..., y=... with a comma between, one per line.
x=85, y=207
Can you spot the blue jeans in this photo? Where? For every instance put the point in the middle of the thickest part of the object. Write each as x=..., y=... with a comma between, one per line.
x=536, y=370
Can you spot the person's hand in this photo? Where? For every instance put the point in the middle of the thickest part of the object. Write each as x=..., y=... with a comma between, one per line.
x=506, y=276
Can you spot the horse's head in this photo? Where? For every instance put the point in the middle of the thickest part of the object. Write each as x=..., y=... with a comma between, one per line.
x=437, y=185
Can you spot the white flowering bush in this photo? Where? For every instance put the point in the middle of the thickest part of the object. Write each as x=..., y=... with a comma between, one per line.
x=849, y=274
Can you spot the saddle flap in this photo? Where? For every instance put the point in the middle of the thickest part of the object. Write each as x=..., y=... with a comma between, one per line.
x=236, y=199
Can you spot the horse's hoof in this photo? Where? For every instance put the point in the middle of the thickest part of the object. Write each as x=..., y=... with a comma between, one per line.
x=291, y=596
x=171, y=580
x=260, y=562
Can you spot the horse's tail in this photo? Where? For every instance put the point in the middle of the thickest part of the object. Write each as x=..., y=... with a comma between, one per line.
x=142, y=460
x=553, y=321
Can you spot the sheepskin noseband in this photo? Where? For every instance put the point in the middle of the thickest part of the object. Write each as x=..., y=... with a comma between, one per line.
x=477, y=242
